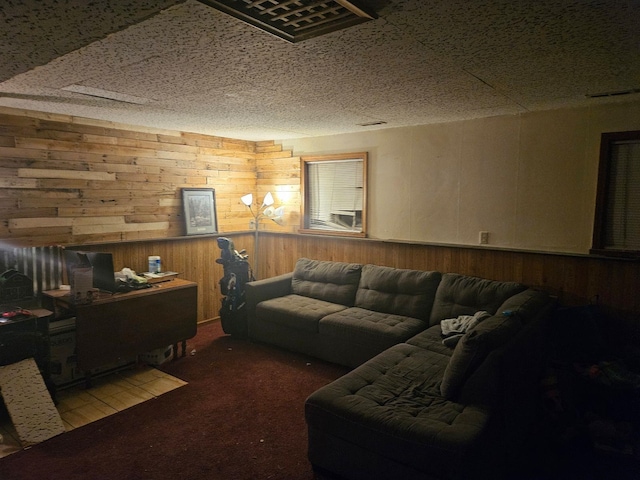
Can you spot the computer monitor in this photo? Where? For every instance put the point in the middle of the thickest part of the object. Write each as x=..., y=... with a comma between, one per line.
x=102, y=263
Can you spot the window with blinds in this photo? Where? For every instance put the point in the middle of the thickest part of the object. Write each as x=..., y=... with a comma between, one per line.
x=617, y=223
x=334, y=194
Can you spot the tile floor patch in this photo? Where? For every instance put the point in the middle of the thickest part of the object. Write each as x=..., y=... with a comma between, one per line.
x=78, y=406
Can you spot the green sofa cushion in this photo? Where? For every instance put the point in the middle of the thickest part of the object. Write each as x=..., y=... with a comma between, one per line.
x=463, y=295
x=375, y=329
x=408, y=293
x=296, y=311
x=334, y=282
x=527, y=305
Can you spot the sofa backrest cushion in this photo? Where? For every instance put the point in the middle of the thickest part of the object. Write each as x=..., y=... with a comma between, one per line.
x=409, y=293
x=527, y=305
x=334, y=282
x=474, y=347
x=491, y=334
x=463, y=295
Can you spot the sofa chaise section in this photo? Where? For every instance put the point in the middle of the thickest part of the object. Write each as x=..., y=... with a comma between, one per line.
x=395, y=416
x=386, y=419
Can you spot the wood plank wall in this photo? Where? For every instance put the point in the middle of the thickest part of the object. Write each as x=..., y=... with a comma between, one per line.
x=574, y=279
x=66, y=180
x=115, y=188
x=278, y=172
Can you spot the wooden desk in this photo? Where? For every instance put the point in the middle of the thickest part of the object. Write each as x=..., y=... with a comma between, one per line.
x=116, y=327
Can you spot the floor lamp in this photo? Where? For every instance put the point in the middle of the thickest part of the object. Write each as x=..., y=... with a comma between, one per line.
x=265, y=210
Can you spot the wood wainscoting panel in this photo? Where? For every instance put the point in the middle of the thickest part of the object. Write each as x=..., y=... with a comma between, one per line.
x=574, y=279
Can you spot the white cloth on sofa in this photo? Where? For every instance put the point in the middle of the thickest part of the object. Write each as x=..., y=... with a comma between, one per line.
x=454, y=328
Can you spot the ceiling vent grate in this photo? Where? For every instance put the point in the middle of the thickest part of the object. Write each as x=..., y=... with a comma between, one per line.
x=295, y=20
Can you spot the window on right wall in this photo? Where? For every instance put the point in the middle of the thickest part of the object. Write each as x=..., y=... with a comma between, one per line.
x=617, y=222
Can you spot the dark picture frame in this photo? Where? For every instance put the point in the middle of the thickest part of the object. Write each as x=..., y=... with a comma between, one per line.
x=199, y=206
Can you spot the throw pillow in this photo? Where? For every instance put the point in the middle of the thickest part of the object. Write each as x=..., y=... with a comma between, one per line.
x=473, y=348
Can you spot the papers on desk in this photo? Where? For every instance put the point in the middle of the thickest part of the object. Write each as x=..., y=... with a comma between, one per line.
x=159, y=277
x=81, y=285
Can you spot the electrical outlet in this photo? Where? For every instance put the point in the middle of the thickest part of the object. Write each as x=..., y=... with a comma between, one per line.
x=484, y=238
x=252, y=224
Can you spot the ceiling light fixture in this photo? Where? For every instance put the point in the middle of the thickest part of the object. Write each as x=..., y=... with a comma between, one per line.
x=295, y=20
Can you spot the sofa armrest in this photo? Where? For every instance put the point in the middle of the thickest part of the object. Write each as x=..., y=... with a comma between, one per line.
x=260, y=290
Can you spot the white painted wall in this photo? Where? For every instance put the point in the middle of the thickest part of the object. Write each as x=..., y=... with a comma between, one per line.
x=529, y=180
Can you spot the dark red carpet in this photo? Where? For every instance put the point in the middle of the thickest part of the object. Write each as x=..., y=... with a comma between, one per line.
x=240, y=417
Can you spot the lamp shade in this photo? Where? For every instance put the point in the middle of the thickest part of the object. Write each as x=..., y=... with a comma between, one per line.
x=278, y=216
x=268, y=200
x=269, y=212
x=247, y=199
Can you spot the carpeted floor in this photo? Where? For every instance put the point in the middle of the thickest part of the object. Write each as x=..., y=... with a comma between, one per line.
x=241, y=416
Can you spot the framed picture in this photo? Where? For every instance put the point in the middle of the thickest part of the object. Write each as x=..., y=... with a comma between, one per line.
x=200, y=210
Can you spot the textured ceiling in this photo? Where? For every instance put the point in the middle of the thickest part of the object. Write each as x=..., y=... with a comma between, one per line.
x=194, y=68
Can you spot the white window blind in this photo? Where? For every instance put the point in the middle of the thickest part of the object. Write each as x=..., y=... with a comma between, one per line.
x=335, y=195
x=622, y=222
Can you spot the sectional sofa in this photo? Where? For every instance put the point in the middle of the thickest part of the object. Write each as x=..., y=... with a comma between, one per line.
x=445, y=366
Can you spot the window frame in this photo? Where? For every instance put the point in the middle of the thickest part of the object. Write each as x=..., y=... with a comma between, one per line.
x=305, y=192
x=607, y=141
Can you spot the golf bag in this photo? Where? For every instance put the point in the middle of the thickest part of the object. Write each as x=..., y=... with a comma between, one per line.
x=237, y=272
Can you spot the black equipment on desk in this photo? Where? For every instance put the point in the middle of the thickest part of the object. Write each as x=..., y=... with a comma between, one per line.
x=21, y=335
x=102, y=264
x=15, y=287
